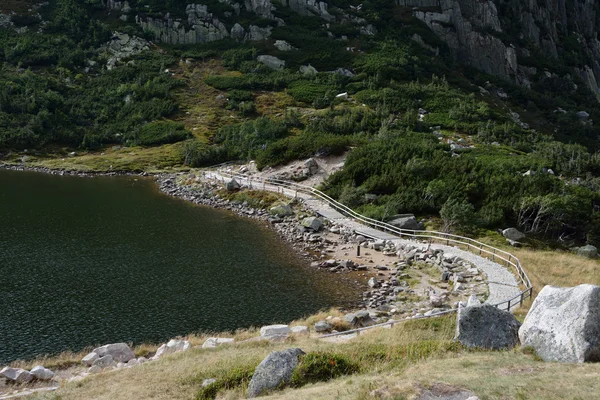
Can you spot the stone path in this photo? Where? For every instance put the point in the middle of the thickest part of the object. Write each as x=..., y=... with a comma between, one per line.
x=502, y=283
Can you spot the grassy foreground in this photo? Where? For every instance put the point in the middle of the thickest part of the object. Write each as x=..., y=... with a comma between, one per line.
x=394, y=363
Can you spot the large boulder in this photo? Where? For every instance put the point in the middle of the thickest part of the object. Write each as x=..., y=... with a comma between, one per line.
x=120, y=352
x=323, y=326
x=588, y=251
x=487, y=327
x=275, y=331
x=404, y=221
x=360, y=319
x=173, y=346
x=513, y=234
x=563, y=324
x=274, y=371
x=313, y=223
x=271, y=62
x=41, y=373
x=232, y=185
x=312, y=166
x=18, y=375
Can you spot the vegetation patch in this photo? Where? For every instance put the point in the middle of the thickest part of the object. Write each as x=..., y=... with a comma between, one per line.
x=321, y=367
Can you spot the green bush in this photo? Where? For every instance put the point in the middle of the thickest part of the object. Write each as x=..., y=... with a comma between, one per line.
x=321, y=367
x=162, y=132
x=229, y=379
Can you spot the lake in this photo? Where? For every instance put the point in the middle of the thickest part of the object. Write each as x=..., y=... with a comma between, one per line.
x=90, y=261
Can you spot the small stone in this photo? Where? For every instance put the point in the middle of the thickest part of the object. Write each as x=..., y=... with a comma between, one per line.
x=207, y=382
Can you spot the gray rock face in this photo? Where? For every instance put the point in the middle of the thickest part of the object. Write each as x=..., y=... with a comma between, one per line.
x=271, y=62
x=487, y=327
x=309, y=8
x=18, y=375
x=122, y=46
x=469, y=27
x=407, y=221
x=282, y=45
x=308, y=70
x=274, y=371
x=120, y=352
x=238, y=33
x=41, y=373
x=262, y=8
x=513, y=234
x=563, y=324
x=257, y=34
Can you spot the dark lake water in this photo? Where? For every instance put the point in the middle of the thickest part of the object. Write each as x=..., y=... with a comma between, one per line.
x=87, y=261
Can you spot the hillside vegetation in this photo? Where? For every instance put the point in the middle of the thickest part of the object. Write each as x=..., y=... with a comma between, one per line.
x=429, y=135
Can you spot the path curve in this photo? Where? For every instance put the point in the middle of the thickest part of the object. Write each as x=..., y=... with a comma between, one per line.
x=502, y=284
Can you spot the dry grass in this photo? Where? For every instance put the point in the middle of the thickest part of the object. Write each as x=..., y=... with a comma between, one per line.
x=179, y=376
x=493, y=375
x=202, y=106
x=134, y=159
x=558, y=268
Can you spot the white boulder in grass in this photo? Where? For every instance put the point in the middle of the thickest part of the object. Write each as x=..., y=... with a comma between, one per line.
x=275, y=331
x=563, y=324
x=18, y=375
x=213, y=342
x=120, y=352
x=41, y=373
x=89, y=359
x=173, y=346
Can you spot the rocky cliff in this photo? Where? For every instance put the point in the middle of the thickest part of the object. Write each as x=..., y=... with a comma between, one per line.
x=201, y=26
x=498, y=37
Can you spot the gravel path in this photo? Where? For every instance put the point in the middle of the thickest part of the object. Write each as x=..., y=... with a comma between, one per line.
x=502, y=283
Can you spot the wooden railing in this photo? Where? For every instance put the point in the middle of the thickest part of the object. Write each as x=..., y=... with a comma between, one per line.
x=292, y=189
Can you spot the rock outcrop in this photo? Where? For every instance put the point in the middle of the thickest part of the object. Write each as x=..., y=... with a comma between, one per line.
x=274, y=371
x=476, y=33
x=487, y=327
x=563, y=324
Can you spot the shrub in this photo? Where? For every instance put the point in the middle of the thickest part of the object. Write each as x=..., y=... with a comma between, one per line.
x=229, y=379
x=321, y=367
x=457, y=213
x=162, y=132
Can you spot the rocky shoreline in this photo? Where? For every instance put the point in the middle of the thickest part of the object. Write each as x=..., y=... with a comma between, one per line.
x=396, y=280
x=66, y=172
